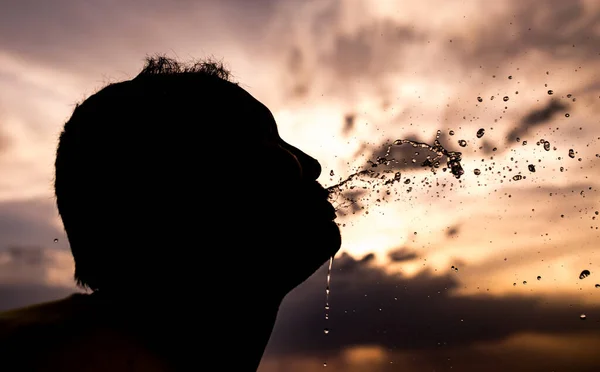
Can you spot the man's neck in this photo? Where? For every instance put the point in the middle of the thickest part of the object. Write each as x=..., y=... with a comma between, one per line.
x=193, y=330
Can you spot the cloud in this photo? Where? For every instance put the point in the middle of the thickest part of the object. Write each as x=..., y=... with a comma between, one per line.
x=535, y=118
x=327, y=55
x=523, y=352
x=20, y=265
x=32, y=222
x=116, y=35
x=453, y=230
x=559, y=30
x=402, y=255
x=14, y=296
x=4, y=141
x=369, y=307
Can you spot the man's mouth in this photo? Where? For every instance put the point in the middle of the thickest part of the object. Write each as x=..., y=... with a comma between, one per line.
x=319, y=199
x=331, y=211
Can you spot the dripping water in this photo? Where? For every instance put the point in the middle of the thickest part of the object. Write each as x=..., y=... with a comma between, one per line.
x=327, y=291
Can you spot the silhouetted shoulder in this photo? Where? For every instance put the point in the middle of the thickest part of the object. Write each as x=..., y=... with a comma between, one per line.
x=71, y=334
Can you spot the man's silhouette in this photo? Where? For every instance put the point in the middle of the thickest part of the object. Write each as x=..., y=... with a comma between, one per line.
x=188, y=217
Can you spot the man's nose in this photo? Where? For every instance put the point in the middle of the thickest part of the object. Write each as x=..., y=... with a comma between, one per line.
x=311, y=168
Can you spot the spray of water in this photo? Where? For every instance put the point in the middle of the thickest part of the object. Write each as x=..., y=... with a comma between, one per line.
x=387, y=178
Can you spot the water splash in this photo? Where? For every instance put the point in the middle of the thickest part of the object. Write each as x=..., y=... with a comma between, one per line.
x=454, y=157
x=584, y=274
x=433, y=162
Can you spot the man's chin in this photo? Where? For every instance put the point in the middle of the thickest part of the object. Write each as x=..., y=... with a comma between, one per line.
x=331, y=238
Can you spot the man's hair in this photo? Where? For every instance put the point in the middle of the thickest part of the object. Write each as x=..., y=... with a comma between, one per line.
x=123, y=146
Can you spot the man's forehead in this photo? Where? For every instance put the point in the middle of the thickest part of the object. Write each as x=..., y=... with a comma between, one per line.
x=257, y=115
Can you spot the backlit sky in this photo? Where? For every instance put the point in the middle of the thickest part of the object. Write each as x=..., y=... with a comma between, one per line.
x=343, y=80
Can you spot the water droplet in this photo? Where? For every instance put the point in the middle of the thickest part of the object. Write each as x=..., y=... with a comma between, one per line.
x=531, y=167
x=510, y=77
x=582, y=317
x=597, y=285
x=462, y=143
x=480, y=99
x=539, y=278
x=584, y=274
x=569, y=95
x=547, y=146
x=505, y=98
x=524, y=282
x=517, y=177
x=571, y=153
x=550, y=92
x=477, y=172
x=480, y=132
x=331, y=173
x=55, y=240
x=406, y=181
x=451, y=133
x=326, y=330
x=567, y=115
x=325, y=364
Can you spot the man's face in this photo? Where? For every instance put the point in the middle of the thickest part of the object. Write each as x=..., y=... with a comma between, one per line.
x=292, y=207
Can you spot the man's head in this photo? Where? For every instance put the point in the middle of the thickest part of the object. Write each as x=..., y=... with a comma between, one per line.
x=161, y=178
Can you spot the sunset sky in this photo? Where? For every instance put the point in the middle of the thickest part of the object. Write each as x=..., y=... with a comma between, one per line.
x=344, y=79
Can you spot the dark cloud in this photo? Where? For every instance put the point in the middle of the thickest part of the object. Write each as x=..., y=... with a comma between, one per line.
x=30, y=223
x=487, y=147
x=558, y=29
x=15, y=296
x=82, y=37
x=349, y=122
x=370, y=52
x=369, y=307
x=402, y=255
x=533, y=353
x=32, y=256
x=453, y=231
x=20, y=265
x=536, y=118
x=4, y=141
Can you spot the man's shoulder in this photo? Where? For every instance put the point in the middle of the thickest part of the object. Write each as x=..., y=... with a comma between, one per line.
x=70, y=334
x=29, y=333
x=38, y=316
